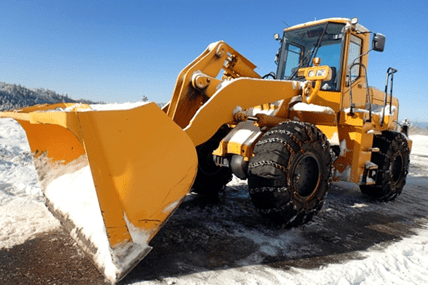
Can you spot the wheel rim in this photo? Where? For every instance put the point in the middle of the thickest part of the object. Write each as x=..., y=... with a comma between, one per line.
x=306, y=176
x=397, y=168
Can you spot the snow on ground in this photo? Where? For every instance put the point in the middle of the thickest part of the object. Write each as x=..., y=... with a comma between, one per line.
x=403, y=261
x=420, y=150
x=22, y=211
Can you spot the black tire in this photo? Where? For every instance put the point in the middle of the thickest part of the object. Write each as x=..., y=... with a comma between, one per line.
x=393, y=166
x=211, y=178
x=291, y=173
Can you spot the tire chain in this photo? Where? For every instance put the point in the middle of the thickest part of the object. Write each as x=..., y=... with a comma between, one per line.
x=284, y=132
x=268, y=162
x=275, y=210
x=388, y=142
x=272, y=140
x=288, y=133
x=279, y=209
x=268, y=189
x=281, y=167
x=289, y=148
x=306, y=126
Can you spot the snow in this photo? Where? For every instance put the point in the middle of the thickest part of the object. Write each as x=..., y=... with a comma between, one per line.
x=101, y=107
x=420, y=148
x=334, y=140
x=23, y=216
x=22, y=211
x=401, y=263
x=378, y=110
x=316, y=22
x=404, y=262
x=345, y=175
x=75, y=198
x=311, y=108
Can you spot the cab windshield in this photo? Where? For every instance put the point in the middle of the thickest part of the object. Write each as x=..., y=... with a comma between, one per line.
x=302, y=45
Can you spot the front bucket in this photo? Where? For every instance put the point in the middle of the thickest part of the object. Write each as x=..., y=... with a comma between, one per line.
x=112, y=177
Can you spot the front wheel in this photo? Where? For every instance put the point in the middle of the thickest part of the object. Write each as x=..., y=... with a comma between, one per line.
x=210, y=178
x=393, y=165
x=290, y=174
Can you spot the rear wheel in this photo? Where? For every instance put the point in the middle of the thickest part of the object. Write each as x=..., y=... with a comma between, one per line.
x=290, y=174
x=393, y=165
x=211, y=178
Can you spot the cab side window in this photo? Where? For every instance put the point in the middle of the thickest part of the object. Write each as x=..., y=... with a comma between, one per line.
x=354, y=52
x=293, y=60
x=330, y=55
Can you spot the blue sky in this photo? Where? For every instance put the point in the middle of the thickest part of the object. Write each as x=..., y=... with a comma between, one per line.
x=120, y=51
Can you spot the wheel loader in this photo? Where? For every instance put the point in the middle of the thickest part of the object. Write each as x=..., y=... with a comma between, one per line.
x=113, y=176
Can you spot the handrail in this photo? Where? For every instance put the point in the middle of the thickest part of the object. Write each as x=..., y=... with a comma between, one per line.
x=389, y=72
x=368, y=104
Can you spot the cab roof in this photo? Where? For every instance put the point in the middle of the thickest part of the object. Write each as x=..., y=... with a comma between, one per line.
x=331, y=20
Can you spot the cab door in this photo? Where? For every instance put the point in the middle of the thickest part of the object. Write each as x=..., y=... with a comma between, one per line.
x=355, y=77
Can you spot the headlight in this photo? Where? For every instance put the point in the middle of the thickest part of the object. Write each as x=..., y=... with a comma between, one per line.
x=321, y=72
x=318, y=73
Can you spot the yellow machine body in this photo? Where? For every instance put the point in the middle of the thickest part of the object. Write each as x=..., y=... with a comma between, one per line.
x=143, y=160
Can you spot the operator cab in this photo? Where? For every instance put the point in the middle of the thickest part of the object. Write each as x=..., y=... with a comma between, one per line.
x=300, y=46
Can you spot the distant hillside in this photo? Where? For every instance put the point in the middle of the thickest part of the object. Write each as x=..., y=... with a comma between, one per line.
x=418, y=128
x=14, y=96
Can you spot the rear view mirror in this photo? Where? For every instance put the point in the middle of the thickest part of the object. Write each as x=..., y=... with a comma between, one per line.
x=378, y=43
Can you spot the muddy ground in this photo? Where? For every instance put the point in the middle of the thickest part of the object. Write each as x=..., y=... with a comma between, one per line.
x=206, y=236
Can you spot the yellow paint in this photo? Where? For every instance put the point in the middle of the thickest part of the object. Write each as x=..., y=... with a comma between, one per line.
x=219, y=109
x=126, y=151
x=143, y=160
